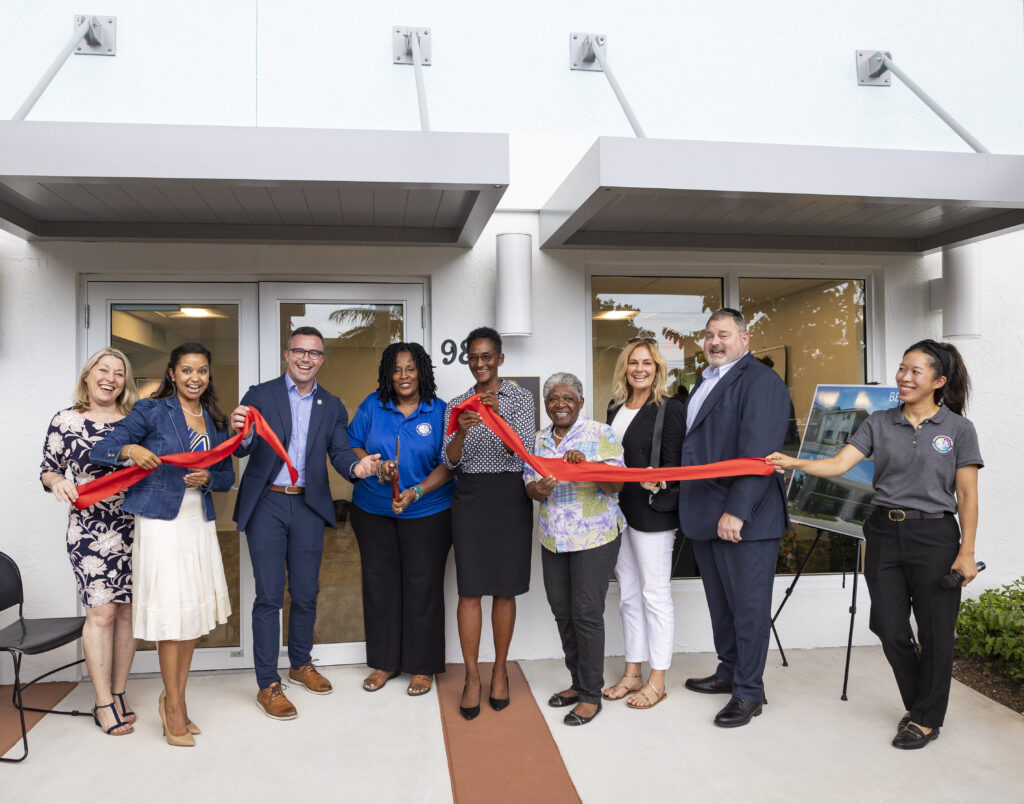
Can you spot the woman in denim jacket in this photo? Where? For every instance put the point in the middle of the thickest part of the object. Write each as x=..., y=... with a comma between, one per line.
x=180, y=590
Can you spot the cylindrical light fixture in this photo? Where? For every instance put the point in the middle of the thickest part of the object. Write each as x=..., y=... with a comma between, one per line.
x=961, y=281
x=514, y=286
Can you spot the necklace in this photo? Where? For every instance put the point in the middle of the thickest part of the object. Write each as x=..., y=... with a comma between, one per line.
x=556, y=436
x=188, y=412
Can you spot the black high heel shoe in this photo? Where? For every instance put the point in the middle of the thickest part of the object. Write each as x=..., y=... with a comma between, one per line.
x=470, y=712
x=497, y=704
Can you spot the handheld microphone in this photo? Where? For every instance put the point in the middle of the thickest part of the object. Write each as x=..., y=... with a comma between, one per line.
x=956, y=578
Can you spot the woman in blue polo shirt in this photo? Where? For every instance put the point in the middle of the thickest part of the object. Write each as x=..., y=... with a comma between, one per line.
x=403, y=544
x=926, y=479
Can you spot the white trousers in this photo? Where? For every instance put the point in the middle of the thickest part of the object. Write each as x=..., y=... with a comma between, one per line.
x=644, y=570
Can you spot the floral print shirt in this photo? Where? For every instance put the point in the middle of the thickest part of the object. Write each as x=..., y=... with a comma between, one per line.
x=578, y=515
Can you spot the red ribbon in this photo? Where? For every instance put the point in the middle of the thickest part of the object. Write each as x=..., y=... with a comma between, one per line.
x=593, y=471
x=109, y=485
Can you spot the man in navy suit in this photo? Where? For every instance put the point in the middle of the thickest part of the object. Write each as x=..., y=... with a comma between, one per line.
x=738, y=409
x=284, y=524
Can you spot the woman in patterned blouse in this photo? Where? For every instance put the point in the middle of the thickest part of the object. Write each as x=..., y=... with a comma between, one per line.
x=492, y=518
x=579, y=528
x=99, y=537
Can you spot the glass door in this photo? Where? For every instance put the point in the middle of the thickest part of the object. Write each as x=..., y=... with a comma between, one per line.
x=358, y=321
x=146, y=321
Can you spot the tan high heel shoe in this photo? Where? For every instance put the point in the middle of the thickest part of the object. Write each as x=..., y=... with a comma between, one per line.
x=192, y=727
x=186, y=739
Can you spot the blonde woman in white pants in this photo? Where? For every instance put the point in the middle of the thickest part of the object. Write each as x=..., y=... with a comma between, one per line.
x=644, y=568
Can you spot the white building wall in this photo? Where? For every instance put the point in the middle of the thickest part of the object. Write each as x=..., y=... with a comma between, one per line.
x=743, y=71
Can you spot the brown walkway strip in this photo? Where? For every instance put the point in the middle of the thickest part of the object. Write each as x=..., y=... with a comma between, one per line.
x=45, y=695
x=501, y=756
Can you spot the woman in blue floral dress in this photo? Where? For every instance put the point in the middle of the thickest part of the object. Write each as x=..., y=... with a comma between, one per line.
x=100, y=537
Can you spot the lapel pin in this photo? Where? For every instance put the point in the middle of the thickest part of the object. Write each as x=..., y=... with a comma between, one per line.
x=319, y=401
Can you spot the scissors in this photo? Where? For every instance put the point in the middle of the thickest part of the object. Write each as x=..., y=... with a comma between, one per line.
x=396, y=493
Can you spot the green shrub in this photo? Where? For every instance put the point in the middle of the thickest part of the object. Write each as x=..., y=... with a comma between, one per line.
x=992, y=628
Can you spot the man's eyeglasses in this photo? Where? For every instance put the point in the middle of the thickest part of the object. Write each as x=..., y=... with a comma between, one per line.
x=314, y=354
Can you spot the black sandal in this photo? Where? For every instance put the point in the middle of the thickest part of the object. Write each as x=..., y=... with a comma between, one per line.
x=116, y=725
x=125, y=711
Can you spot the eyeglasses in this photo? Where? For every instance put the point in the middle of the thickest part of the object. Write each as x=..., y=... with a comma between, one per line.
x=652, y=341
x=314, y=354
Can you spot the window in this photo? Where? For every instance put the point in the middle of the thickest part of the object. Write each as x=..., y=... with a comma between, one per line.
x=809, y=330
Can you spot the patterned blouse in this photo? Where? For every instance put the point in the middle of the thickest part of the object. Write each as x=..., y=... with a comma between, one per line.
x=578, y=515
x=483, y=451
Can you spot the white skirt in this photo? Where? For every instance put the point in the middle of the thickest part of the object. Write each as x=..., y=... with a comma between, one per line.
x=180, y=590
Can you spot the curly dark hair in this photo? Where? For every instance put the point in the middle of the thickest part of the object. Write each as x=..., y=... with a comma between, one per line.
x=484, y=333
x=424, y=368
x=209, y=399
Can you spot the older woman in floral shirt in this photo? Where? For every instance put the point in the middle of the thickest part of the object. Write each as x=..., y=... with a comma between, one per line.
x=579, y=530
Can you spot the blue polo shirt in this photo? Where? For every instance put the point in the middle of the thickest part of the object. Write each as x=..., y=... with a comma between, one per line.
x=374, y=428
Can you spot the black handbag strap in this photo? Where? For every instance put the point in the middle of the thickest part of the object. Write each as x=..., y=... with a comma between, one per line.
x=659, y=425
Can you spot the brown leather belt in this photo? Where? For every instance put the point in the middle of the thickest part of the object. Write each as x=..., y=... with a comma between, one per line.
x=900, y=514
x=289, y=489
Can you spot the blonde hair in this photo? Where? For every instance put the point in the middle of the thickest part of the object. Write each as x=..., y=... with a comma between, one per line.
x=620, y=385
x=129, y=394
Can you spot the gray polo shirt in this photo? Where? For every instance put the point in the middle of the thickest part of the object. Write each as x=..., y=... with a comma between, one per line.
x=916, y=468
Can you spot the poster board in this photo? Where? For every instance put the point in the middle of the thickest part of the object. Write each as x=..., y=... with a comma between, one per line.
x=837, y=504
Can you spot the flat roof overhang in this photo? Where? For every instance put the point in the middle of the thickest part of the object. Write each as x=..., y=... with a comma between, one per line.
x=676, y=194
x=98, y=181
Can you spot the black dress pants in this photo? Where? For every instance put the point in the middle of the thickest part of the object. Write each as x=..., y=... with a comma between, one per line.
x=403, y=589
x=576, y=584
x=904, y=565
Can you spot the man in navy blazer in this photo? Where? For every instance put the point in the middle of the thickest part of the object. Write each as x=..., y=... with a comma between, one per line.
x=738, y=409
x=284, y=524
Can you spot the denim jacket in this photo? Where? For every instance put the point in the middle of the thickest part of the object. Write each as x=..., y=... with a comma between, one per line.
x=159, y=426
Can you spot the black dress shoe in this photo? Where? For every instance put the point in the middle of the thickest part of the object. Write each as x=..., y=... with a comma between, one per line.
x=468, y=712
x=911, y=737
x=904, y=722
x=738, y=712
x=711, y=685
x=572, y=719
x=557, y=700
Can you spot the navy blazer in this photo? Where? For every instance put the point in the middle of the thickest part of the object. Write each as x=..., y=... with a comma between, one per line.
x=745, y=416
x=159, y=426
x=637, y=443
x=327, y=437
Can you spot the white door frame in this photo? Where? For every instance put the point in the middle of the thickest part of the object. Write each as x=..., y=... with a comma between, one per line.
x=272, y=295
x=100, y=296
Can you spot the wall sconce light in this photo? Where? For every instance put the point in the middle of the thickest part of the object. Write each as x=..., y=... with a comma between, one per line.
x=514, y=286
x=958, y=293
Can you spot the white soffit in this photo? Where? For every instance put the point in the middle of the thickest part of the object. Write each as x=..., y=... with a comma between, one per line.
x=97, y=181
x=668, y=194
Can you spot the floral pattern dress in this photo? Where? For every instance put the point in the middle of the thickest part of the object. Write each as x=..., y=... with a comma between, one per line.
x=99, y=537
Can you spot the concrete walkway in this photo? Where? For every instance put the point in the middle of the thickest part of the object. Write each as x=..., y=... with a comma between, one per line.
x=808, y=746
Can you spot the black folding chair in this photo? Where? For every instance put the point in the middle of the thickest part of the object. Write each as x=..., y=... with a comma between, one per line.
x=28, y=638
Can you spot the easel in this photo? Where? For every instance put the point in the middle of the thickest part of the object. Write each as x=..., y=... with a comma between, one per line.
x=853, y=601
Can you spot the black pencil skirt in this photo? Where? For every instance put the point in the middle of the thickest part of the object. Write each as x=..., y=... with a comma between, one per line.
x=492, y=530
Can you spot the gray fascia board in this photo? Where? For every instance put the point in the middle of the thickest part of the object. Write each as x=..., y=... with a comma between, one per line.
x=617, y=165
x=90, y=151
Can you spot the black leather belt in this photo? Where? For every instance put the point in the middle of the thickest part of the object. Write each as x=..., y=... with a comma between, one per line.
x=289, y=489
x=899, y=514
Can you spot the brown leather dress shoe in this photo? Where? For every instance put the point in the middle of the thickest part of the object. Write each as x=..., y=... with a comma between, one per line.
x=274, y=704
x=310, y=678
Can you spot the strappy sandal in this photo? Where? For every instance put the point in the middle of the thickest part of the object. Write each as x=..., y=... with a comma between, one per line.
x=126, y=713
x=371, y=684
x=640, y=693
x=419, y=685
x=626, y=690
x=112, y=731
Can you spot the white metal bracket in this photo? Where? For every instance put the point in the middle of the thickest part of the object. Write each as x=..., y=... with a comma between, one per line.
x=401, y=44
x=581, y=51
x=100, y=37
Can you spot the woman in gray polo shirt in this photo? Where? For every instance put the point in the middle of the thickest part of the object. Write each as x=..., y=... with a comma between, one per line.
x=926, y=470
